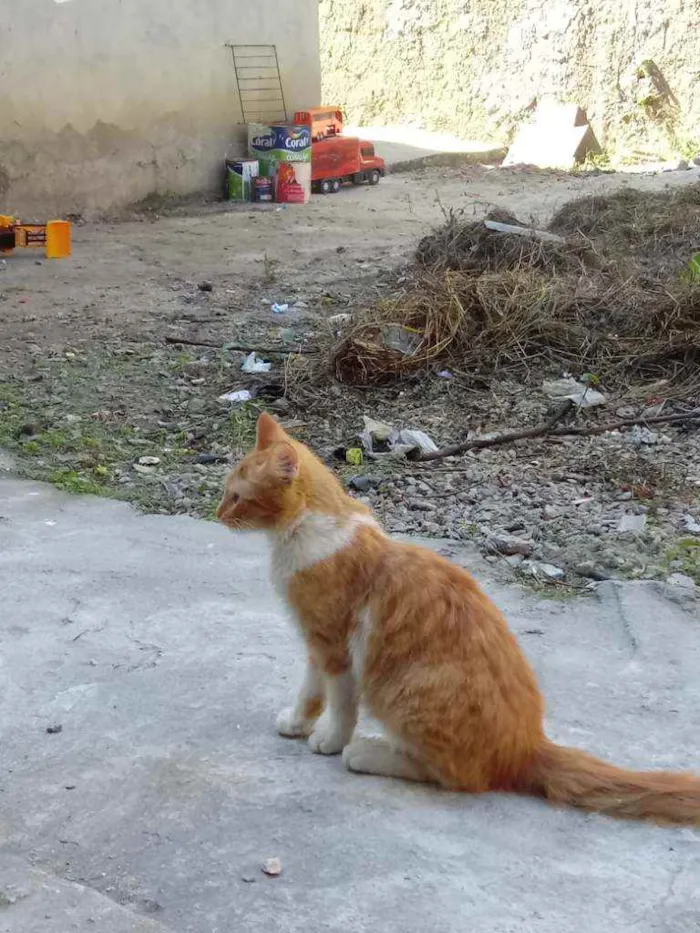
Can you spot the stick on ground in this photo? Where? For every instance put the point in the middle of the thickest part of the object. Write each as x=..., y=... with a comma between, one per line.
x=548, y=429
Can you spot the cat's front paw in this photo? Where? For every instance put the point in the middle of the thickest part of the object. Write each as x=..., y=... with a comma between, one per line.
x=293, y=726
x=329, y=737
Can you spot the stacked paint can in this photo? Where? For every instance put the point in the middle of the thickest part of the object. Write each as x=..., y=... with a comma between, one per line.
x=283, y=151
x=240, y=179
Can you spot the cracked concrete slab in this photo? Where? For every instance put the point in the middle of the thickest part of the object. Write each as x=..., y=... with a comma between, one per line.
x=157, y=646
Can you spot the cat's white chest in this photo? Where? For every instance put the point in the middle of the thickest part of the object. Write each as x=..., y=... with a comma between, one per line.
x=315, y=538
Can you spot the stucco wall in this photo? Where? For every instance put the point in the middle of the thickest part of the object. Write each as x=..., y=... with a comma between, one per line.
x=475, y=67
x=103, y=102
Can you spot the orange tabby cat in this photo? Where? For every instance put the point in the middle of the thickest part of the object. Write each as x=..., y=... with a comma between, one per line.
x=428, y=652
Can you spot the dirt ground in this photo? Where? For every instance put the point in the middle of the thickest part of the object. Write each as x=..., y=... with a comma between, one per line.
x=89, y=385
x=137, y=278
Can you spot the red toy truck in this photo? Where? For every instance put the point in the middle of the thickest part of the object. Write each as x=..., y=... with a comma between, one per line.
x=340, y=159
x=322, y=121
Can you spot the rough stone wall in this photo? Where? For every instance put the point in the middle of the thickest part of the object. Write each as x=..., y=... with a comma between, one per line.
x=476, y=67
x=103, y=102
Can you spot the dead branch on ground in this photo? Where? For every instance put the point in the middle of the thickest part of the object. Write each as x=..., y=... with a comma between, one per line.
x=548, y=429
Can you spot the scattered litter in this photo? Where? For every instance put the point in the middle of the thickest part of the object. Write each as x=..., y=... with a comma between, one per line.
x=379, y=430
x=642, y=436
x=523, y=231
x=251, y=364
x=237, y=397
x=569, y=388
x=54, y=730
x=401, y=339
x=550, y=571
x=272, y=867
x=354, y=456
x=445, y=374
x=691, y=525
x=149, y=461
x=279, y=308
x=631, y=522
x=584, y=500
x=339, y=320
x=412, y=439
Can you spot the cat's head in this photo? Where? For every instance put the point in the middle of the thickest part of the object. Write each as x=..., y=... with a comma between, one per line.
x=263, y=491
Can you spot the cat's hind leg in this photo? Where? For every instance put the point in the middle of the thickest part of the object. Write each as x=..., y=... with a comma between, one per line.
x=381, y=756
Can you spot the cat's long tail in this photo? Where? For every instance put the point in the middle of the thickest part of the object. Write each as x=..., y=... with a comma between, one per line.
x=569, y=776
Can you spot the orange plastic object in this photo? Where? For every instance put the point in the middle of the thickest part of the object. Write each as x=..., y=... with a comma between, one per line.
x=54, y=237
x=342, y=159
x=324, y=121
x=58, y=239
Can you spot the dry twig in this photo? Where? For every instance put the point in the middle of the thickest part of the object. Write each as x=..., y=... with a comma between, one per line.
x=548, y=429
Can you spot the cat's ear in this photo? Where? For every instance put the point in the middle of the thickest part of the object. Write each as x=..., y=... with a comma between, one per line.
x=285, y=463
x=268, y=432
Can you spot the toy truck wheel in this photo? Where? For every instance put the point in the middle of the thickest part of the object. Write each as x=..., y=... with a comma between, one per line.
x=335, y=185
x=326, y=186
x=374, y=177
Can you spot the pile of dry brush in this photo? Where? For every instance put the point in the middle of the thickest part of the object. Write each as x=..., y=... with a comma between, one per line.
x=615, y=297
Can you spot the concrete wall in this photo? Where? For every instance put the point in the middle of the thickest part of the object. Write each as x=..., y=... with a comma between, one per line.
x=475, y=67
x=103, y=102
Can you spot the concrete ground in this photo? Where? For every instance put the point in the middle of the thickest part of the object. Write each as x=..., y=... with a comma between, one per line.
x=402, y=146
x=157, y=646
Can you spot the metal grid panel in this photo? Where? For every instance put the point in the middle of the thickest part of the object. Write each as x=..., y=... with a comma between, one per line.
x=259, y=83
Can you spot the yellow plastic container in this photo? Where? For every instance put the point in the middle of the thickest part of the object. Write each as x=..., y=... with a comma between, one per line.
x=58, y=243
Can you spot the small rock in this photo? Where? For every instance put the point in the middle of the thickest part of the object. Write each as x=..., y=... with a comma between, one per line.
x=205, y=287
x=549, y=512
x=281, y=406
x=509, y=545
x=421, y=505
x=207, y=459
x=432, y=528
x=272, y=867
x=149, y=461
x=682, y=580
x=362, y=482
x=690, y=525
x=632, y=522
x=591, y=571
x=54, y=730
